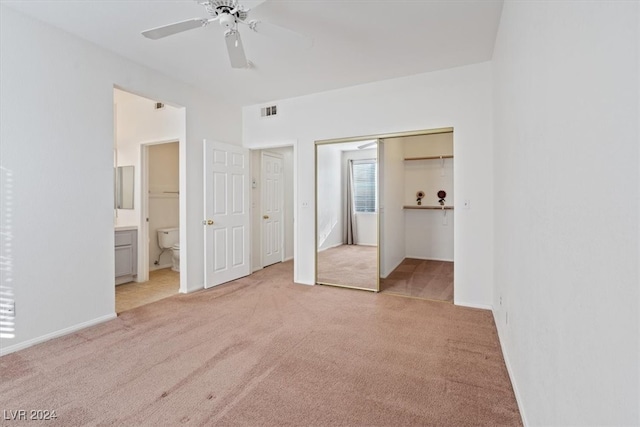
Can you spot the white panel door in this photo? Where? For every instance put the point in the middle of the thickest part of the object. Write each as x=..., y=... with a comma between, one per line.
x=272, y=207
x=226, y=213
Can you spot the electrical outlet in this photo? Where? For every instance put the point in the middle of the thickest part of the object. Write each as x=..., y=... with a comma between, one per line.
x=305, y=203
x=500, y=300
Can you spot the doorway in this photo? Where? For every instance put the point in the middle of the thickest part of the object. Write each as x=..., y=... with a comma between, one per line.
x=148, y=137
x=272, y=196
x=418, y=224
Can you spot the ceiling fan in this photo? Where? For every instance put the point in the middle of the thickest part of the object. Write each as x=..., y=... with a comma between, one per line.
x=230, y=13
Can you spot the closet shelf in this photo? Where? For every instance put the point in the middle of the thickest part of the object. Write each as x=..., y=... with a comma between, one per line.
x=448, y=156
x=437, y=208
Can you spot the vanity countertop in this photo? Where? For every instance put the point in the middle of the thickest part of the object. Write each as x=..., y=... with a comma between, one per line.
x=126, y=228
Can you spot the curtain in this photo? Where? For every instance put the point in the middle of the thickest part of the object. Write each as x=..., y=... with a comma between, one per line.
x=351, y=231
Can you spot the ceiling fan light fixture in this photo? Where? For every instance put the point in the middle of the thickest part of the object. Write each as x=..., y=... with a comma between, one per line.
x=227, y=20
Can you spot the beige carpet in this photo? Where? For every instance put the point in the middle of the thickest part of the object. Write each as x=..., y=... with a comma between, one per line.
x=350, y=265
x=262, y=351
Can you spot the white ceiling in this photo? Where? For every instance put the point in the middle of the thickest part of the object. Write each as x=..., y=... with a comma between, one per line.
x=355, y=41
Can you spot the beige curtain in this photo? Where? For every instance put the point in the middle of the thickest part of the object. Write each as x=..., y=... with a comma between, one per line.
x=351, y=231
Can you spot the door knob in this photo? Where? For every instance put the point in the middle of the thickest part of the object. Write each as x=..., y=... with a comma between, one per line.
x=265, y=216
x=207, y=222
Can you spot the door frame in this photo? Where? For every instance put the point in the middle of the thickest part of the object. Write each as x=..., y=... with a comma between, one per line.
x=294, y=145
x=262, y=195
x=143, y=235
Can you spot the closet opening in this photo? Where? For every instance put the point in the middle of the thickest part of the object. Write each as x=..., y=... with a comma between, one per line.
x=401, y=183
x=418, y=221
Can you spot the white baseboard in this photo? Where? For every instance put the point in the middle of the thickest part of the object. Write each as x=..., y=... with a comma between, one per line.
x=160, y=267
x=287, y=259
x=330, y=247
x=191, y=289
x=56, y=334
x=428, y=259
x=473, y=305
x=507, y=362
x=385, y=274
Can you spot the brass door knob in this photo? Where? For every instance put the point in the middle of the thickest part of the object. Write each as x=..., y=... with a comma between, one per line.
x=207, y=222
x=265, y=216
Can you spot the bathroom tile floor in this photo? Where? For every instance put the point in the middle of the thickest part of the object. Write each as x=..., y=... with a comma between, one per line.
x=422, y=279
x=162, y=284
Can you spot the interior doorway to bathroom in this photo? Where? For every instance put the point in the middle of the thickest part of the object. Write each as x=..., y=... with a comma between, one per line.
x=148, y=138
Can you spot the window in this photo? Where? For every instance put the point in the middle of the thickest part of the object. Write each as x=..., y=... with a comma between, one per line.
x=365, y=176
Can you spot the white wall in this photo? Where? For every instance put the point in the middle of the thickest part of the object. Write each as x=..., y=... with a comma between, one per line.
x=256, y=203
x=366, y=222
x=566, y=209
x=429, y=234
x=392, y=217
x=460, y=98
x=330, y=220
x=57, y=143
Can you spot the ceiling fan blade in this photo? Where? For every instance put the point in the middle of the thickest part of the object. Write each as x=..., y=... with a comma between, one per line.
x=251, y=4
x=236, y=51
x=281, y=34
x=178, y=27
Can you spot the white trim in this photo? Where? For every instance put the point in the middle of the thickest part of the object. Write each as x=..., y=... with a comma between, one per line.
x=384, y=276
x=161, y=267
x=56, y=334
x=294, y=144
x=143, y=235
x=510, y=372
x=473, y=305
x=429, y=259
x=190, y=289
x=331, y=247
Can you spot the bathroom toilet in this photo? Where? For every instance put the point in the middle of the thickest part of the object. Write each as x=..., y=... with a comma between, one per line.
x=169, y=239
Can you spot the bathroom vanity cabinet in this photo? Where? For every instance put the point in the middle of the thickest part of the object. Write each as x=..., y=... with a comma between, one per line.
x=126, y=251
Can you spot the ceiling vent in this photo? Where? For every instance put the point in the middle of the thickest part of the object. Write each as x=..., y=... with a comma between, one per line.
x=269, y=111
x=159, y=106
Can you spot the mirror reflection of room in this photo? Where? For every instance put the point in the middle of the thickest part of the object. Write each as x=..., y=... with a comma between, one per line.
x=347, y=214
x=416, y=237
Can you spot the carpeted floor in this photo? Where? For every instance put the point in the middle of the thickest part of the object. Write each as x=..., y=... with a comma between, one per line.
x=421, y=279
x=262, y=351
x=350, y=265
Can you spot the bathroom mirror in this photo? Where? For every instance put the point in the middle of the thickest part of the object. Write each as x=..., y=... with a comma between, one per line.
x=124, y=187
x=347, y=214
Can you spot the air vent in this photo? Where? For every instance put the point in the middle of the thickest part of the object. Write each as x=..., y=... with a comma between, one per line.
x=269, y=111
x=159, y=105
